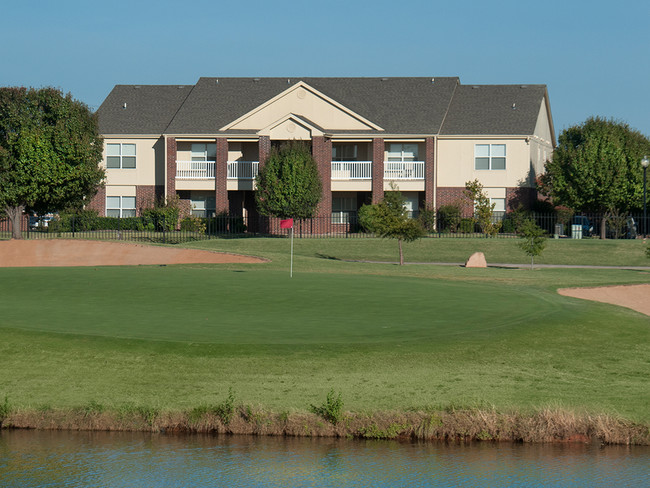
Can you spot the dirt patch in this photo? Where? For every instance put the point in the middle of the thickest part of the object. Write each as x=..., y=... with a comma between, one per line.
x=62, y=252
x=636, y=297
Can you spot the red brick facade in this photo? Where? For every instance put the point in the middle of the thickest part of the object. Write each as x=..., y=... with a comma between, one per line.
x=221, y=176
x=377, y=170
x=515, y=196
x=146, y=196
x=98, y=202
x=429, y=172
x=322, y=152
x=171, y=167
x=264, y=149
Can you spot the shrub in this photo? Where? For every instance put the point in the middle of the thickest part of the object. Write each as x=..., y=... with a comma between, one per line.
x=427, y=218
x=226, y=409
x=449, y=218
x=331, y=410
x=163, y=215
x=194, y=224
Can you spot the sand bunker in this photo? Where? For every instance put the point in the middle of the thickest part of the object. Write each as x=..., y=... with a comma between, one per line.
x=636, y=297
x=61, y=252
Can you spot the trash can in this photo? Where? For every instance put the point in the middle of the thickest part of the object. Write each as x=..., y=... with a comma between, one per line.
x=559, y=230
x=576, y=231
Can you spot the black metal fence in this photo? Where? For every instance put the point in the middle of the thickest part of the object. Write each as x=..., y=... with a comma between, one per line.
x=147, y=229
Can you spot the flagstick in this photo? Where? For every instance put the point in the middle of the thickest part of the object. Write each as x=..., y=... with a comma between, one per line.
x=291, y=266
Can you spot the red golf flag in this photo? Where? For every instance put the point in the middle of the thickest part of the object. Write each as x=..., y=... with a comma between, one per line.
x=286, y=224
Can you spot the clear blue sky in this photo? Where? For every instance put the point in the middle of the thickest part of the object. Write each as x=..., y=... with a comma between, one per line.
x=594, y=56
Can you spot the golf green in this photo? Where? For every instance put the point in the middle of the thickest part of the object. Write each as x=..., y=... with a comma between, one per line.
x=206, y=304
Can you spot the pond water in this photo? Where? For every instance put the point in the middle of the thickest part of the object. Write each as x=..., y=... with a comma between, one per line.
x=138, y=460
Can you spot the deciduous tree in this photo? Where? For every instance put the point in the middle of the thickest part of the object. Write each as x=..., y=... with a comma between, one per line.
x=597, y=168
x=50, y=149
x=533, y=240
x=389, y=219
x=289, y=185
x=483, y=209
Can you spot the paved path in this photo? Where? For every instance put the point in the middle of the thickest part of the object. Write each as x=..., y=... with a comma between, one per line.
x=510, y=265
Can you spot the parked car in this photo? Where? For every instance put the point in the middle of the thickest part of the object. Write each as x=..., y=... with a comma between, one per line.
x=587, y=228
x=39, y=222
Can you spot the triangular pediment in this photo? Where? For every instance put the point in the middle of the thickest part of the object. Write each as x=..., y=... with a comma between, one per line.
x=312, y=105
x=291, y=126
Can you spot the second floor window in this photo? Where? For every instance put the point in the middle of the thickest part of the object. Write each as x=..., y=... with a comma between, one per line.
x=204, y=152
x=120, y=156
x=344, y=152
x=403, y=152
x=490, y=156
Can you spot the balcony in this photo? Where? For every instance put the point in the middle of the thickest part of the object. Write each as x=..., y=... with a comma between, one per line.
x=351, y=170
x=195, y=170
x=404, y=170
x=243, y=170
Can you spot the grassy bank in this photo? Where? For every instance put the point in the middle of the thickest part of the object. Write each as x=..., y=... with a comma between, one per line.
x=452, y=425
x=170, y=339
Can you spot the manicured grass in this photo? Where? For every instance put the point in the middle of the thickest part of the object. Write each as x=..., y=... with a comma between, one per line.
x=387, y=337
x=455, y=250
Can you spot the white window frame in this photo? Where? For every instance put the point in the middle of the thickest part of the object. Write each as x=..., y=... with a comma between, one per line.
x=341, y=152
x=200, y=207
x=405, y=154
x=121, y=155
x=343, y=207
x=203, y=151
x=122, y=209
x=492, y=156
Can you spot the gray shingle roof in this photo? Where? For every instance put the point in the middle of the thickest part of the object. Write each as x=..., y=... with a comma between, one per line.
x=398, y=105
x=149, y=108
x=494, y=110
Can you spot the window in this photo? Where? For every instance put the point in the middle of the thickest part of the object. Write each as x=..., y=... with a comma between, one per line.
x=203, y=206
x=120, y=156
x=490, y=156
x=343, y=208
x=344, y=152
x=120, y=206
x=403, y=152
x=204, y=152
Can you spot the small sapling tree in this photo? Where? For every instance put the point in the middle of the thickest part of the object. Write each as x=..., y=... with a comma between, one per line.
x=483, y=209
x=389, y=219
x=532, y=240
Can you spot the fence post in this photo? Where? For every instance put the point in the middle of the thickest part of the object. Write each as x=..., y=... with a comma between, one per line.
x=73, y=219
x=164, y=229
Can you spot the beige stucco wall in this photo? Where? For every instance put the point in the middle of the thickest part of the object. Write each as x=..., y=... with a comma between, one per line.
x=542, y=141
x=243, y=151
x=120, y=191
x=405, y=185
x=233, y=185
x=455, y=163
x=207, y=184
x=144, y=172
x=352, y=185
x=301, y=101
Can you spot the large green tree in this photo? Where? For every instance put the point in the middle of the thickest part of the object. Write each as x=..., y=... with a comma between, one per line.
x=597, y=168
x=389, y=219
x=50, y=149
x=289, y=185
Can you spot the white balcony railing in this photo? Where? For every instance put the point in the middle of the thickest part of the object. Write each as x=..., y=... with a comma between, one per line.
x=194, y=170
x=404, y=170
x=351, y=170
x=243, y=170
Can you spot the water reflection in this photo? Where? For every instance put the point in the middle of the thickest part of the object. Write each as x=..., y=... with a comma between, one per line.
x=99, y=459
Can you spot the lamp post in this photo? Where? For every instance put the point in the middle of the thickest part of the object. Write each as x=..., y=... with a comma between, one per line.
x=645, y=162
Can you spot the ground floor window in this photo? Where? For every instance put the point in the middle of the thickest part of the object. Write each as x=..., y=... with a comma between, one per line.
x=499, y=210
x=120, y=206
x=344, y=208
x=203, y=205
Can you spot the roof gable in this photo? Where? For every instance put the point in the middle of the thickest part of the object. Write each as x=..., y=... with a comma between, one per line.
x=302, y=100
